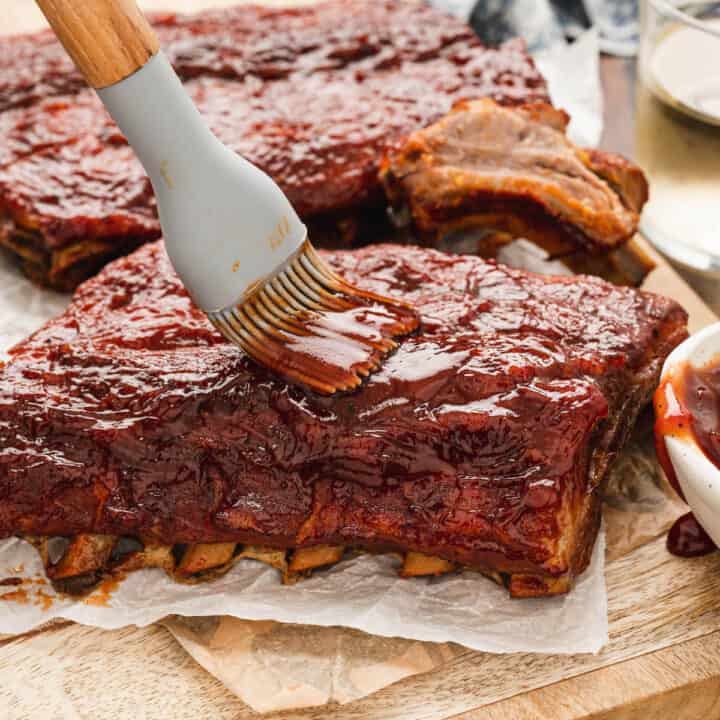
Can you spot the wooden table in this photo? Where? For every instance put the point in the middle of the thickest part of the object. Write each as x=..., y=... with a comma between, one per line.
x=663, y=659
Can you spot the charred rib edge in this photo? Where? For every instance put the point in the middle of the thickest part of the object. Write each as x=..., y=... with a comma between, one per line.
x=77, y=565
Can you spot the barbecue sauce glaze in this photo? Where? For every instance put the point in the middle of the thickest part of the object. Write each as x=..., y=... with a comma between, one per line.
x=687, y=405
x=129, y=415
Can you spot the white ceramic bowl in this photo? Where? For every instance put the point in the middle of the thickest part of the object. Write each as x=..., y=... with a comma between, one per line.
x=698, y=477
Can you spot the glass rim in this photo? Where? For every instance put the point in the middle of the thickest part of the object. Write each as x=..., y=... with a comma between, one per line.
x=667, y=8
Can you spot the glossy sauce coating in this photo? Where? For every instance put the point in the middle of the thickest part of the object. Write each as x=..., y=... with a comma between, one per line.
x=687, y=406
x=476, y=441
x=274, y=43
x=337, y=349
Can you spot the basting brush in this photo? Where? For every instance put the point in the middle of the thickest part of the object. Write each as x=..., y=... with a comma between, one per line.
x=232, y=235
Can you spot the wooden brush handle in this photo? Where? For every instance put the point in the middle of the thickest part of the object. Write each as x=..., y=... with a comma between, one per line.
x=108, y=39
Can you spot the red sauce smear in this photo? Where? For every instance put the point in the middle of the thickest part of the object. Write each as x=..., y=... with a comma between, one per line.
x=43, y=600
x=24, y=595
x=19, y=596
x=687, y=405
x=102, y=595
x=10, y=581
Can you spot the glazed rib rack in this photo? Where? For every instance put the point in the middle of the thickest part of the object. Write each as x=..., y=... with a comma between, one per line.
x=129, y=426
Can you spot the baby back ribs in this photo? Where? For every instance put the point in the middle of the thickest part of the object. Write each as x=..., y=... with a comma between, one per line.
x=482, y=441
x=513, y=170
x=311, y=95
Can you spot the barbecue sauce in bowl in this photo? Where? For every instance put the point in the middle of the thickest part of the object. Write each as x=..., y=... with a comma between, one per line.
x=687, y=406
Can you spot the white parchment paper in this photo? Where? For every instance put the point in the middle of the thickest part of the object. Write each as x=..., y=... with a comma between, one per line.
x=364, y=593
x=24, y=307
x=572, y=72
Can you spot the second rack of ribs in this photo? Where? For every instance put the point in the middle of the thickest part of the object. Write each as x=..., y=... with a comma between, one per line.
x=316, y=107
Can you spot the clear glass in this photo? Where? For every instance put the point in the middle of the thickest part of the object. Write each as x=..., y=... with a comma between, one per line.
x=678, y=131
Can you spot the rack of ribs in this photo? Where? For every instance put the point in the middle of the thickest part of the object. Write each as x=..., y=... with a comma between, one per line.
x=133, y=432
x=315, y=96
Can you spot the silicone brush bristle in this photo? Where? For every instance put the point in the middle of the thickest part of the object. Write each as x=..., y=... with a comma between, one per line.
x=310, y=326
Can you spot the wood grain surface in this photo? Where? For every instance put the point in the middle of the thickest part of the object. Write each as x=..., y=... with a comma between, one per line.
x=109, y=40
x=662, y=661
x=663, y=651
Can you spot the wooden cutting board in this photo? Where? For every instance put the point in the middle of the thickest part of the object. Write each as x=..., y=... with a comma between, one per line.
x=662, y=661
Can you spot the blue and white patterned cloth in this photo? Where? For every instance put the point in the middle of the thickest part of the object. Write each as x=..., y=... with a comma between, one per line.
x=542, y=23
